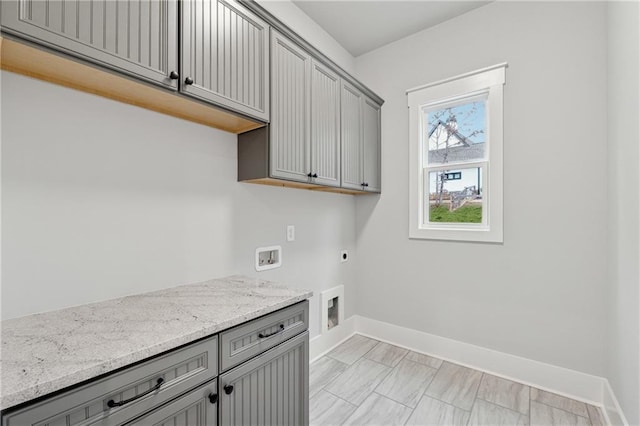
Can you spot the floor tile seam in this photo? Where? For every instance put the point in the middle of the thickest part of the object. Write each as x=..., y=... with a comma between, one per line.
x=475, y=397
x=563, y=409
x=334, y=379
x=471, y=411
x=426, y=384
x=372, y=339
x=434, y=397
x=344, y=400
x=503, y=406
x=566, y=411
x=364, y=354
x=561, y=397
x=484, y=375
x=520, y=413
x=394, y=400
x=444, y=402
x=420, y=364
x=386, y=365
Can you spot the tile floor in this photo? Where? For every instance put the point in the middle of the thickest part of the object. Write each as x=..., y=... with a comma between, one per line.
x=367, y=382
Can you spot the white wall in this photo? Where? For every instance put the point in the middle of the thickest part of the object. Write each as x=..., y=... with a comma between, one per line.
x=102, y=199
x=291, y=15
x=541, y=294
x=624, y=200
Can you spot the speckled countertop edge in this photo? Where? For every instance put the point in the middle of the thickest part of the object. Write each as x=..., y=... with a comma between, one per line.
x=47, y=352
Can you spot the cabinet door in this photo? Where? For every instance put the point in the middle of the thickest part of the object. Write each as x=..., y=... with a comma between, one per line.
x=225, y=55
x=371, y=145
x=351, y=128
x=325, y=125
x=196, y=408
x=138, y=37
x=290, y=110
x=271, y=389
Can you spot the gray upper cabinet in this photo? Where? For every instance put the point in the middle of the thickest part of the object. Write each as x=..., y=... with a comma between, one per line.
x=360, y=140
x=290, y=110
x=371, y=145
x=351, y=137
x=138, y=37
x=325, y=125
x=225, y=56
x=305, y=120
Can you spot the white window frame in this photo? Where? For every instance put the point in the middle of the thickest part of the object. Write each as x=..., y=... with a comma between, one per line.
x=487, y=80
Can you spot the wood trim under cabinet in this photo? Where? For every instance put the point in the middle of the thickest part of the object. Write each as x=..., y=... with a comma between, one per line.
x=44, y=65
x=309, y=186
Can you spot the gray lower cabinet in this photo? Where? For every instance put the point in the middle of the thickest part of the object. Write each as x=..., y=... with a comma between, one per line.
x=137, y=37
x=360, y=131
x=270, y=389
x=197, y=408
x=121, y=397
x=264, y=381
x=225, y=55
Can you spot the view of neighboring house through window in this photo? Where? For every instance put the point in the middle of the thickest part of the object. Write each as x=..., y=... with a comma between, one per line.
x=456, y=139
x=456, y=157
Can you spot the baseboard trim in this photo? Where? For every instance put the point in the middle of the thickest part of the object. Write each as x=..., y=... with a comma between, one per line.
x=580, y=386
x=320, y=345
x=611, y=407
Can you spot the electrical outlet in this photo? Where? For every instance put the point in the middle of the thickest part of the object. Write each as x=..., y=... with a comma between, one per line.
x=344, y=256
x=291, y=233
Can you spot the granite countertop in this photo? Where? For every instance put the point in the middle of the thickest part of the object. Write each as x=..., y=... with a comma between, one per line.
x=46, y=352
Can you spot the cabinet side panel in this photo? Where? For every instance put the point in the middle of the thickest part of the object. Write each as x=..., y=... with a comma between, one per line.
x=351, y=137
x=253, y=154
x=371, y=145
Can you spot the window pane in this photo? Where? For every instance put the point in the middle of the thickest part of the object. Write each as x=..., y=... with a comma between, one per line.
x=455, y=133
x=454, y=196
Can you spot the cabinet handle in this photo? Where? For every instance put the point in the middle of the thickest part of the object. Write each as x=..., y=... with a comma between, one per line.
x=174, y=75
x=112, y=403
x=213, y=398
x=315, y=175
x=365, y=184
x=280, y=330
x=188, y=81
x=228, y=389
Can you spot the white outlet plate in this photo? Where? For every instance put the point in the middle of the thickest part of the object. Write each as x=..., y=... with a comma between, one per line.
x=344, y=256
x=291, y=233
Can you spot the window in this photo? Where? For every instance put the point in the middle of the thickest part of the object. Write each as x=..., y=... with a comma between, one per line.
x=455, y=175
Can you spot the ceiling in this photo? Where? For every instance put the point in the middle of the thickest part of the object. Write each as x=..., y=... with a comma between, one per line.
x=364, y=25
